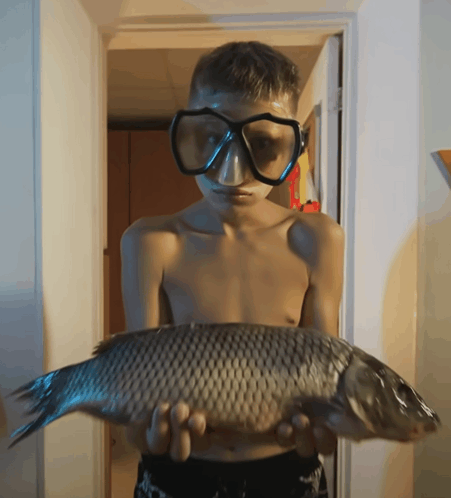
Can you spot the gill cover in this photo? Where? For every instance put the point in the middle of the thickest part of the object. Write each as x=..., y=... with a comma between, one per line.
x=363, y=387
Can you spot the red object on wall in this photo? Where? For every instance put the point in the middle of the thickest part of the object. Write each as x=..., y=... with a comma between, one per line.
x=311, y=207
x=292, y=177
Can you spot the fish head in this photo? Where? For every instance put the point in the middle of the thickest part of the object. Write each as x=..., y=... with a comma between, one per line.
x=386, y=405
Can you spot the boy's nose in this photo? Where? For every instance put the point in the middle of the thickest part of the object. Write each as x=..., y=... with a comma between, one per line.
x=233, y=167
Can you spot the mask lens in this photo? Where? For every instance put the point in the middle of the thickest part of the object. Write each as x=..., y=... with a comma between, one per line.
x=271, y=146
x=197, y=139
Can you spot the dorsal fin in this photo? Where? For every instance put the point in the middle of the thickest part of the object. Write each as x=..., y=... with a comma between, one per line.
x=121, y=337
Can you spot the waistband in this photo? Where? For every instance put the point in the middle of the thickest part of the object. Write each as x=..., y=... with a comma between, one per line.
x=288, y=459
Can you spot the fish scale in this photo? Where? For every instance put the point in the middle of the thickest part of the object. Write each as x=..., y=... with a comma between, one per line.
x=243, y=376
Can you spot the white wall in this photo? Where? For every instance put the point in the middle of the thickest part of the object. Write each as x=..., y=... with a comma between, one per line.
x=433, y=456
x=52, y=150
x=71, y=79
x=386, y=209
x=20, y=330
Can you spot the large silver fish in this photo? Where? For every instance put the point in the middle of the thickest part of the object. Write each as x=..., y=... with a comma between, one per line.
x=245, y=377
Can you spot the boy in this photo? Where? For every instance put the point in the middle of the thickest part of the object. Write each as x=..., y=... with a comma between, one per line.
x=234, y=257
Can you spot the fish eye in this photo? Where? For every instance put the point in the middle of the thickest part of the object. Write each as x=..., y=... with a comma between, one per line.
x=405, y=393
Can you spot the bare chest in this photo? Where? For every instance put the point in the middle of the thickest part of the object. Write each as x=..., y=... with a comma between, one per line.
x=256, y=280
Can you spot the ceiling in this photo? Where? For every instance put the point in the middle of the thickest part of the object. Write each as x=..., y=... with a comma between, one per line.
x=153, y=84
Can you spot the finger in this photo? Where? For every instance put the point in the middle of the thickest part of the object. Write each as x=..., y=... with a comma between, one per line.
x=305, y=442
x=300, y=422
x=158, y=435
x=200, y=432
x=181, y=438
x=325, y=440
x=285, y=434
x=197, y=423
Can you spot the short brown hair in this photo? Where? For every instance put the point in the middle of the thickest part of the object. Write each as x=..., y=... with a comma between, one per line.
x=254, y=69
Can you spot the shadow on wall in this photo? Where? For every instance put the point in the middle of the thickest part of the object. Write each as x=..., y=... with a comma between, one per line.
x=419, y=283
x=399, y=344
x=432, y=456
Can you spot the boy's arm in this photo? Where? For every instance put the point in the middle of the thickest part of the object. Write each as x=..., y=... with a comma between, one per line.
x=143, y=253
x=320, y=311
x=322, y=299
x=142, y=266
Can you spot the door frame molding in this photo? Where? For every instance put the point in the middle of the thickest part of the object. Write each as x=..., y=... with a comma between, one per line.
x=284, y=29
x=276, y=29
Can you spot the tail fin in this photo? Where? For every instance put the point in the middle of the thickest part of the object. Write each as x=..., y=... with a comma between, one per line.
x=45, y=394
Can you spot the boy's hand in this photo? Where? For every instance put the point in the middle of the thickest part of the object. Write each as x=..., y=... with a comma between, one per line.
x=171, y=430
x=307, y=439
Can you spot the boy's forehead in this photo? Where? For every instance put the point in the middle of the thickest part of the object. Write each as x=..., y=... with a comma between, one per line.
x=238, y=106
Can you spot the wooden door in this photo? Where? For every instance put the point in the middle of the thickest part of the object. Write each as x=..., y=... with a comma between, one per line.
x=118, y=221
x=143, y=180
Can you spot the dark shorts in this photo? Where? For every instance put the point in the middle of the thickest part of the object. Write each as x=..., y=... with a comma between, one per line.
x=281, y=476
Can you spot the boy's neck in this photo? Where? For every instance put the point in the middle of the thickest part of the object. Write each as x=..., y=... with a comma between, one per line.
x=236, y=221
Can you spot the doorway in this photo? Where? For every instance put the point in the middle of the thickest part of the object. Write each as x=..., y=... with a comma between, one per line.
x=144, y=181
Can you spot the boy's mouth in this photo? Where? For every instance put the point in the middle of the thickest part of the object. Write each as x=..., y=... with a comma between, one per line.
x=232, y=191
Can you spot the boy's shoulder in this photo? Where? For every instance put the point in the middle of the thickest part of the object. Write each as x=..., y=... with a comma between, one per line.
x=163, y=226
x=312, y=234
x=151, y=224
x=319, y=223
x=157, y=230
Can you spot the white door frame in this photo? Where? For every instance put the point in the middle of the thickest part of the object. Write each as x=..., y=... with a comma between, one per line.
x=274, y=29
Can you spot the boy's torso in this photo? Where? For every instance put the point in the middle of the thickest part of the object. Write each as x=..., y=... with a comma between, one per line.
x=254, y=277
x=260, y=276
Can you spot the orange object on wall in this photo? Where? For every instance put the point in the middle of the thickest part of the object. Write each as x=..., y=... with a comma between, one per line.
x=292, y=178
x=311, y=207
x=442, y=159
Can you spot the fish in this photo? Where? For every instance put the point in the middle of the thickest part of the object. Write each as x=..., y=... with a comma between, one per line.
x=244, y=377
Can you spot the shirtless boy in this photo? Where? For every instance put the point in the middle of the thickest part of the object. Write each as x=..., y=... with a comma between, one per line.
x=234, y=257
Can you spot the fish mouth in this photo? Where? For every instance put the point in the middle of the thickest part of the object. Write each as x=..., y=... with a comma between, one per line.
x=431, y=427
x=420, y=431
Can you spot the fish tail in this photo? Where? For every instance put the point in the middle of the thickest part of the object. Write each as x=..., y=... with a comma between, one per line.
x=45, y=398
